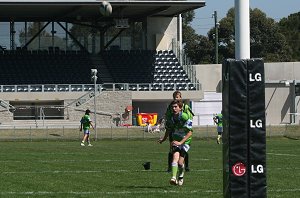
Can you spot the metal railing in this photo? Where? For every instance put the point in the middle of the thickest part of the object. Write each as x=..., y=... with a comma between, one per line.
x=102, y=87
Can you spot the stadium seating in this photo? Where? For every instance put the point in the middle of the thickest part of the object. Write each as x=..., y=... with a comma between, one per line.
x=44, y=67
x=149, y=69
x=168, y=73
x=134, y=66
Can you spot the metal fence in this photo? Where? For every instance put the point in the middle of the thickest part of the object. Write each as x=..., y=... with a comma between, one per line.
x=58, y=133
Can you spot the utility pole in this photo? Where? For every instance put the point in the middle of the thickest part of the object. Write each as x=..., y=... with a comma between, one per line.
x=215, y=15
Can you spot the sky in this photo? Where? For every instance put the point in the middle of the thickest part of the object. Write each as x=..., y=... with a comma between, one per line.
x=275, y=9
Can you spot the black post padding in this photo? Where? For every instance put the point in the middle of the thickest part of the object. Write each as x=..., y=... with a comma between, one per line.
x=243, y=128
x=234, y=125
x=257, y=128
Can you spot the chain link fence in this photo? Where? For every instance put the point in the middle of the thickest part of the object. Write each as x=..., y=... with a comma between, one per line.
x=57, y=133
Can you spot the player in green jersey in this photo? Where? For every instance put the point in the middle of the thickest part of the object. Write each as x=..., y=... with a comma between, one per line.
x=86, y=124
x=168, y=116
x=181, y=127
x=218, y=119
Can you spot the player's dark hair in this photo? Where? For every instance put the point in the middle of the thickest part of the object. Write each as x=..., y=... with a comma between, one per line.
x=87, y=112
x=178, y=102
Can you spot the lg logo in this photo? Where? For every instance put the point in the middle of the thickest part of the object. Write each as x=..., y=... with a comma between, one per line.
x=238, y=169
x=256, y=124
x=257, y=77
x=257, y=169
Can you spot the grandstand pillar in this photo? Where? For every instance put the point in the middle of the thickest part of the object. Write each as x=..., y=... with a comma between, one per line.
x=39, y=35
x=179, y=38
x=12, y=35
x=25, y=29
x=144, y=35
x=52, y=33
x=67, y=36
x=101, y=40
x=93, y=41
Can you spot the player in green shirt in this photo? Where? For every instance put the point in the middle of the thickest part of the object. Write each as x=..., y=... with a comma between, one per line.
x=85, y=124
x=218, y=119
x=181, y=127
x=168, y=116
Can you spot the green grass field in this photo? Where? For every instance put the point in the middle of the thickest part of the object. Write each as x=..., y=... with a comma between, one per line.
x=114, y=169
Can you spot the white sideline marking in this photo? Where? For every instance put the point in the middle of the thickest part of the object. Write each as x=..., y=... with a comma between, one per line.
x=285, y=190
x=295, y=168
x=109, y=193
x=282, y=154
x=129, y=192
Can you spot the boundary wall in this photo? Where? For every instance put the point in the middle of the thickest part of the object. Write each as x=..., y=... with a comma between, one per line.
x=280, y=80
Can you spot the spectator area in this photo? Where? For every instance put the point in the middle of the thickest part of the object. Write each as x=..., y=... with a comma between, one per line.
x=44, y=67
x=161, y=69
x=134, y=66
x=169, y=73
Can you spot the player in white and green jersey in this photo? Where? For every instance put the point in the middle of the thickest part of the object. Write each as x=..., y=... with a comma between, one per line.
x=168, y=116
x=181, y=127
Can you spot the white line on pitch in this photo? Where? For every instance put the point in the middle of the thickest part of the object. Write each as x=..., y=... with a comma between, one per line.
x=285, y=190
x=129, y=192
x=282, y=154
x=110, y=193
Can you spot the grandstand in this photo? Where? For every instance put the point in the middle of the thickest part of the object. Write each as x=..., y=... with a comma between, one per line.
x=45, y=72
x=43, y=67
x=67, y=67
x=46, y=62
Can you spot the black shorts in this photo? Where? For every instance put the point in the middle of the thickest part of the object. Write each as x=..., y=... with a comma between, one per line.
x=182, y=152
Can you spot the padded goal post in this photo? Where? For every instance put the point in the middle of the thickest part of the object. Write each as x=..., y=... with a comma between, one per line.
x=244, y=128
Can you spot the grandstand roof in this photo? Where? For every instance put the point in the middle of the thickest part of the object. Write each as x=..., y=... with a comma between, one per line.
x=88, y=10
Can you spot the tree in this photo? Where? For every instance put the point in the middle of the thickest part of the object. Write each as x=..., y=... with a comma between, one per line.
x=33, y=29
x=85, y=31
x=226, y=36
x=81, y=33
x=197, y=47
x=45, y=37
x=266, y=41
x=290, y=28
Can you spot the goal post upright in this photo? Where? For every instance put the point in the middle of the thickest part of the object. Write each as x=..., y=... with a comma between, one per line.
x=244, y=123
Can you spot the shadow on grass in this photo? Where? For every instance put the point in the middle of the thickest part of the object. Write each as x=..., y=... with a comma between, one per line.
x=291, y=138
x=144, y=187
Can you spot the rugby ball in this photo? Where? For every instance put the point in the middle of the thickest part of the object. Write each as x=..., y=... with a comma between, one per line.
x=105, y=8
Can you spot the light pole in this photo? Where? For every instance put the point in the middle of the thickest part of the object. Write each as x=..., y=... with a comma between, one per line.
x=94, y=79
x=216, y=37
